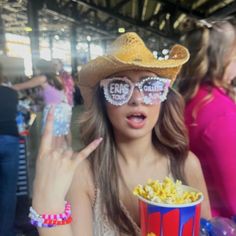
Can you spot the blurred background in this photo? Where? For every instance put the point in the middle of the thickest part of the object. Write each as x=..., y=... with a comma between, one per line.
x=77, y=30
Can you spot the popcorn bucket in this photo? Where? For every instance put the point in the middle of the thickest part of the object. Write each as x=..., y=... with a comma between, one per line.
x=160, y=219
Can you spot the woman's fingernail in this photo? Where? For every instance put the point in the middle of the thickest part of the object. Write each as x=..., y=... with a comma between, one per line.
x=98, y=140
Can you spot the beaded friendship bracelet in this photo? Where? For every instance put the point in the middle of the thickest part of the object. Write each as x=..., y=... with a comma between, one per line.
x=51, y=220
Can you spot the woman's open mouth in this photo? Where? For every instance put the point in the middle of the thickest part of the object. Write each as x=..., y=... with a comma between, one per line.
x=136, y=120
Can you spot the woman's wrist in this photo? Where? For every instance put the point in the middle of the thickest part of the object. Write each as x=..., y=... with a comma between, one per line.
x=48, y=206
x=48, y=220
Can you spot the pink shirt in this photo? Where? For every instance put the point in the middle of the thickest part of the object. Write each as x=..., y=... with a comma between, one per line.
x=213, y=140
x=69, y=86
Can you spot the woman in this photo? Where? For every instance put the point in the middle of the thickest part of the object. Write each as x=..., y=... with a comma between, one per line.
x=210, y=111
x=54, y=94
x=136, y=123
x=66, y=78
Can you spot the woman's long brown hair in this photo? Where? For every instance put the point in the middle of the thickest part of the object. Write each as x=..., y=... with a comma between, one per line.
x=210, y=45
x=169, y=137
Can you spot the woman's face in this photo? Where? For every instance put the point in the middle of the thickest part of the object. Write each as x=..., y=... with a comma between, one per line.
x=134, y=119
x=230, y=69
x=230, y=72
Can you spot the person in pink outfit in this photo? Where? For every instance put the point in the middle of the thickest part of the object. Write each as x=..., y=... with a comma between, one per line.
x=66, y=79
x=210, y=112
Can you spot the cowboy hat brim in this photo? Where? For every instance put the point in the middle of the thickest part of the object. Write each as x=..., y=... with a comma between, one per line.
x=104, y=66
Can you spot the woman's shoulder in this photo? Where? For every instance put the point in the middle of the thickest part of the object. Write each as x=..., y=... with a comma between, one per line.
x=217, y=96
x=193, y=170
x=191, y=163
x=209, y=106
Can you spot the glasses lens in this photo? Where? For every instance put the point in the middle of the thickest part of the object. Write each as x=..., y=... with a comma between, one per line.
x=118, y=91
x=154, y=90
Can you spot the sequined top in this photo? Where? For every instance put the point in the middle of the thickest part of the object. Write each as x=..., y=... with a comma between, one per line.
x=62, y=110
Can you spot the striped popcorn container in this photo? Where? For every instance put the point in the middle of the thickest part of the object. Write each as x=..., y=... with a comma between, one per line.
x=160, y=219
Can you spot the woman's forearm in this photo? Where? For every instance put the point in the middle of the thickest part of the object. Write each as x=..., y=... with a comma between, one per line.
x=46, y=206
x=30, y=83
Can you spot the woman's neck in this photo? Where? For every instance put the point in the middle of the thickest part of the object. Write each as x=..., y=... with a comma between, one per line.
x=137, y=151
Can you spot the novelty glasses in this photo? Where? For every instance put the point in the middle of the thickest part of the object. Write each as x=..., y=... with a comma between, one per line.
x=118, y=90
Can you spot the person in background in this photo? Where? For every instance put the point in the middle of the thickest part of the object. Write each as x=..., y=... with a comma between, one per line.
x=66, y=78
x=68, y=83
x=210, y=112
x=133, y=130
x=78, y=99
x=72, y=89
x=9, y=157
x=54, y=94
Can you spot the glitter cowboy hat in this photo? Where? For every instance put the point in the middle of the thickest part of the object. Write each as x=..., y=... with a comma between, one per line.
x=128, y=52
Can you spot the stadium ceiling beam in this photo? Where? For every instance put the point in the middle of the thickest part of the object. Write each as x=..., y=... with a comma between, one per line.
x=66, y=5
x=107, y=3
x=140, y=9
x=120, y=5
x=225, y=11
x=179, y=7
x=86, y=13
x=173, y=10
x=109, y=19
x=129, y=20
x=74, y=18
x=133, y=7
x=144, y=11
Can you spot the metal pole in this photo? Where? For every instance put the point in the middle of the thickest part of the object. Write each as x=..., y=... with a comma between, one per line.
x=3, y=49
x=34, y=34
x=50, y=39
x=73, y=43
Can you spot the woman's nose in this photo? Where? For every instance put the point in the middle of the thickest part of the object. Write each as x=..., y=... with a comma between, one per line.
x=136, y=97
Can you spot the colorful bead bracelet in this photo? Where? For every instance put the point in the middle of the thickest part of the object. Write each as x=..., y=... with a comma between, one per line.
x=51, y=220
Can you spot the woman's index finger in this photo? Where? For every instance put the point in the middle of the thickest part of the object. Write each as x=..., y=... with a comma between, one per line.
x=47, y=137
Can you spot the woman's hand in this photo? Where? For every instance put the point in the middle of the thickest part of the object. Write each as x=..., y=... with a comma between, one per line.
x=55, y=169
